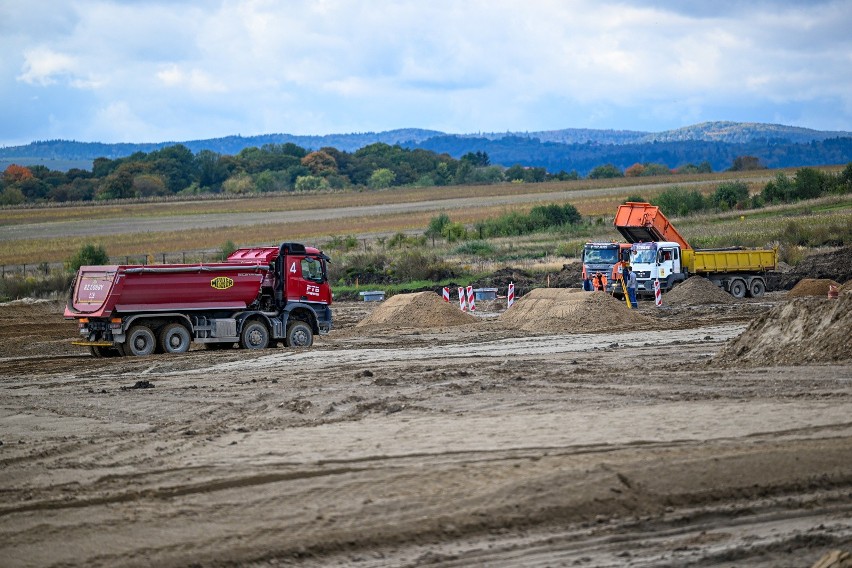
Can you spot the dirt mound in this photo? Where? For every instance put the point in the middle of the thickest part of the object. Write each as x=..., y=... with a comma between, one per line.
x=804, y=330
x=571, y=310
x=811, y=287
x=835, y=265
x=697, y=290
x=835, y=559
x=571, y=276
x=423, y=309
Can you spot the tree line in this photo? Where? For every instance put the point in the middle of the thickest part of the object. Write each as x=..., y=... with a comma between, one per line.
x=176, y=170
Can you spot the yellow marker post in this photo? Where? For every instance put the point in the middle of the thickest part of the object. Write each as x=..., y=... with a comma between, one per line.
x=626, y=297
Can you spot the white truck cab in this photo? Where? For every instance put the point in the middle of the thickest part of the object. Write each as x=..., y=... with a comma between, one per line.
x=656, y=261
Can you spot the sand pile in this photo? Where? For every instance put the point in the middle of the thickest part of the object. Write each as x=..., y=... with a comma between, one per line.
x=803, y=330
x=697, y=290
x=570, y=309
x=423, y=309
x=811, y=287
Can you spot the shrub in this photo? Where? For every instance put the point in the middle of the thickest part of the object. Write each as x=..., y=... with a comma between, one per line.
x=475, y=248
x=366, y=268
x=417, y=265
x=225, y=249
x=345, y=244
x=454, y=232
x=88, y=255
x=401, y=240
x=679, y=201
x=730, y=194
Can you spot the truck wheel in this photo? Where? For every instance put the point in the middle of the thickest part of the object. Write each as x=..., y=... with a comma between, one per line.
x=738, y=288
x=140, y=341
x=758, y=287
x=175, y=338
x=254, y=336
x=299, y=334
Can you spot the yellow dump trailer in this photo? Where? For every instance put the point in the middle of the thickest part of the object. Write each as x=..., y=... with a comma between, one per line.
x=705, y=262
x=740, y=271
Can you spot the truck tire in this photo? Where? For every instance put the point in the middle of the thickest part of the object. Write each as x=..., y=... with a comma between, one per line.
x=175, y=338
x=299, y=334
x=98, y=351
x=738, y=288
x=254, y=336
x=140, y=341
x=758, y=287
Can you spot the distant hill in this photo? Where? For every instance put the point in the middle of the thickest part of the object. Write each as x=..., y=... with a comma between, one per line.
x=743, y=133
x=568, y=149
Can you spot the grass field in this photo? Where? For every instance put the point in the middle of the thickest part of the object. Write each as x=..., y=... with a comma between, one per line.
x=182, y=226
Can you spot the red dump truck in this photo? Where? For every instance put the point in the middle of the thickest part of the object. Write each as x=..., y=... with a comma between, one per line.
x=256, y=298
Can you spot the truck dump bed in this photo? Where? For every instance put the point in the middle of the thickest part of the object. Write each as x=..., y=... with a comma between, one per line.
x=642, y=222
x=102, y=290
x=729, y=260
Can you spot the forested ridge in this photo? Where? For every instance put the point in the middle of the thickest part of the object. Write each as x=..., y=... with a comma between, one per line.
x=406, y=157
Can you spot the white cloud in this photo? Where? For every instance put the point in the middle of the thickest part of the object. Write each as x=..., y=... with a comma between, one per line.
x=44, y=66
x=190, y=69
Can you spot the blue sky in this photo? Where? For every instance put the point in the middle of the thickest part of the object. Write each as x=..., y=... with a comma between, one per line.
x=149, y=71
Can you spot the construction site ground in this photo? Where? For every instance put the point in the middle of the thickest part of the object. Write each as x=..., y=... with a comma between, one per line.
x=657, y=437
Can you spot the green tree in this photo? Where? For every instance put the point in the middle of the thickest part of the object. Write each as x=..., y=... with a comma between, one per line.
x=436, y=226
x=381, y=178
x=605, y=171
x=88, y=255
x=746, y=163
x=679, y=201
x=12, y=196
x=239, y=184
x=310, y=183
x=146, y=185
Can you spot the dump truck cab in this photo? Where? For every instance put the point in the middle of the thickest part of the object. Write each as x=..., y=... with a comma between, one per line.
x=606, y=258
x=656, y=261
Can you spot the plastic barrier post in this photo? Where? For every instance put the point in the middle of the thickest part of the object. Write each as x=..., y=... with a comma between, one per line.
x=511, y=295
x=446, y=294
x=462, y=303
x=658, y=296
x=471, y=301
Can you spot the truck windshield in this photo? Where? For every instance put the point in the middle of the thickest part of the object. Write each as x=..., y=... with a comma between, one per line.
x=595, y=255
x=644, y=256
x=312, y=269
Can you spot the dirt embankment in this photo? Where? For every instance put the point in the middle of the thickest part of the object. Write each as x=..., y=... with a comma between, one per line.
x=804, y=330
x=832, y=265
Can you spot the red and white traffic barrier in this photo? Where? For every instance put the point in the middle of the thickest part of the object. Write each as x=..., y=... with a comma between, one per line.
x=658, y=296
x=511, y=296
x=471, y=300
x=462, y=303
x=446, y=294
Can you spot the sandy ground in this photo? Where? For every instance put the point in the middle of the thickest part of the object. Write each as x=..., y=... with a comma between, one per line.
x=465, y=446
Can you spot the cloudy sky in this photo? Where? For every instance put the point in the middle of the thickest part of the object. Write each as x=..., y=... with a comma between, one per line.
x=172, y=70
